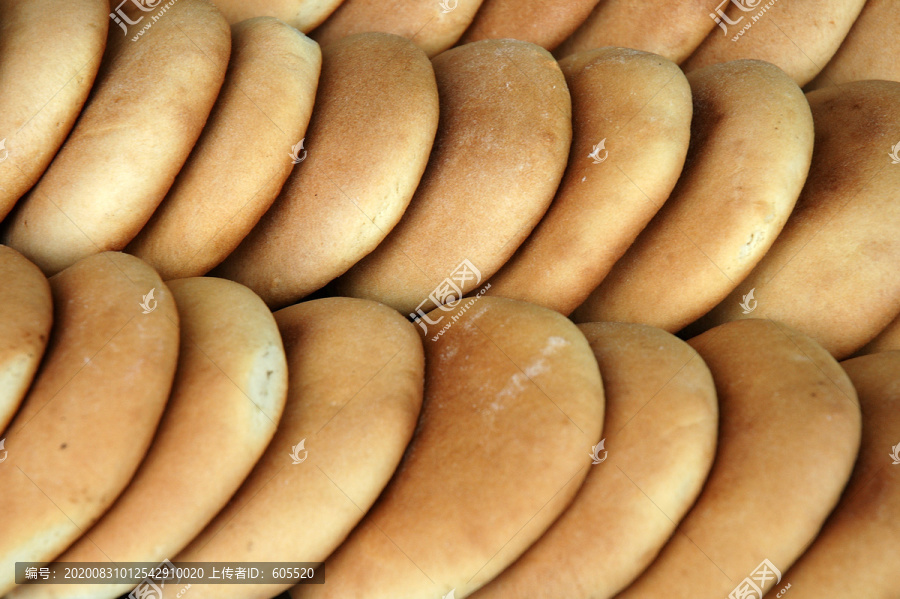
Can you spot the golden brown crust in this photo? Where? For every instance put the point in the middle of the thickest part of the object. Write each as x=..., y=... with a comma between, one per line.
x=545, y=23
x=513, y=404
x=639, y=105
x=354, y=394
x=303, y=15
x=789, y=427
x=862, y=536
x=799, y=36
x=243, y=156
x=93, y=408
x=841, y=241
x=670, y=29
x=870, y=49
x=226, y=401
x=50, y=55
x=500, y=152
x=368, y=141
x=26, y=314
x=151, y=100
x=659, y=394
x=433, y=26
x=751, y=143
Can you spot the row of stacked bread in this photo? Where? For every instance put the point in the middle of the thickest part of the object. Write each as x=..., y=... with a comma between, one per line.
x=516, y=455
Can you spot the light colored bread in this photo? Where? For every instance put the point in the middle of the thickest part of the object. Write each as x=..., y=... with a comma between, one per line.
x=26, y=314
x=152, y=97
x=369, y=140
x=226, y=401
x=659, y=443
x=751, y=143
x=887, y=340
x=855, y=554
x=639, y=105
x=545, y=23
x=670, y=29
x=433, y=26
x=800, y=36
x=870, y=49
x=49, y=56
x=832, y=273
x=513, y=404
x=300, y=14
x=789, y=429
x=501, y=149
x=88, y=420
x=354, y=394
x=243, y=156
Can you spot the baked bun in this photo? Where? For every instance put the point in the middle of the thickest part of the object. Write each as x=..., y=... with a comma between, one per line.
x=243, y=156
x=789, y=427
x=501, y=149
x=357, y=179
x=26, y=313
x=354, y=393
x=151, y=100
x=91, y=413
x=659, y=394
x=38, y=106
x=635, y=109
x=841, y=241
x=513, y=404
x=751, y=144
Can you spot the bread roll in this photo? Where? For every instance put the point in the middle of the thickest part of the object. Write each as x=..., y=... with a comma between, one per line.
x=228, y=396
x=369, y=140
x=855, y=554
x=300, y=14
x=877, y=27
x=546, y=23
x=887, y=340
x=242, y=158
x=751, y=143
x=832, y=273
x=799, y=36
x=433, y=26
x=88, y=420
x=660, y=441
x=789, y=428
x=49, y=55
x=514, y=403
x=639, y=106
x=671, y=29
x=501, y=149
x=354, y=393
x=26, y=313
x=145, y=113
